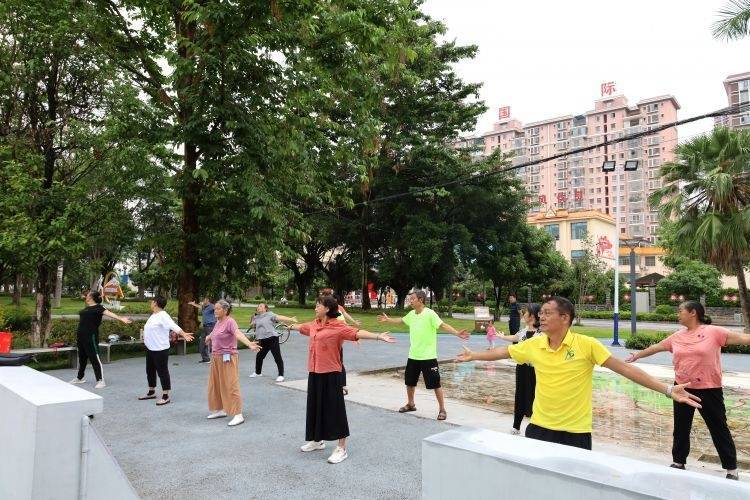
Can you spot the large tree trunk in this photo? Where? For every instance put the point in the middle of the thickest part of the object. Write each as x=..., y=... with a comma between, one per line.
x=742, y=287
x=58, y=286
x=41, y=323
x=365, y=291
x=187, y=284
x=401, y=293
x=17, y=290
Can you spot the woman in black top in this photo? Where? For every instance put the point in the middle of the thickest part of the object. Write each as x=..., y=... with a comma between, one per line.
x=525, y=374
x=87, y=337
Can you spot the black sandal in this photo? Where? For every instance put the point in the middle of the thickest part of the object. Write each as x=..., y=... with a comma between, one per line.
x=164, y=400
x=407, y=408
x=150, y=395
x=675, y=466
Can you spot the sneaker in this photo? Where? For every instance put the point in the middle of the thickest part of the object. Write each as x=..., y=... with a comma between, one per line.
x=338, y=455
x=78, y=381
x=280, y=378
x=100, y=385
x=313, y=446
x=253, y=375
x=236, y=420
x=515, y=431
x=217, y=414
x=733, y=477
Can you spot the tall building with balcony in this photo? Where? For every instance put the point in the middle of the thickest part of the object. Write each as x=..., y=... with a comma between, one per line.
x=737, y=88
x=576, y=181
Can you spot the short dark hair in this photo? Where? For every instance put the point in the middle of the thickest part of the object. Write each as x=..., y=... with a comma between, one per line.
x=421, y=295
x=533, y=310
x=564, y=306
x=160, y=301
x=96, y=296
x=330, y=303
x=700, y=311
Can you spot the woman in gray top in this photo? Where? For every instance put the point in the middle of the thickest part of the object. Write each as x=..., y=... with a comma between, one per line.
x=264, y=322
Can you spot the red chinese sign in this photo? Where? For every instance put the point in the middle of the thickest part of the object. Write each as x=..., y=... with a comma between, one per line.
x=579, y=194
x=504, y=112
x=608, y=88
x=561, y=197
x=543, y=199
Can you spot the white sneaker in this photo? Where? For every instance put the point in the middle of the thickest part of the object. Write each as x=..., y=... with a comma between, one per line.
x=338, y=455
x=78, y=381
x=217, y=414
x=515, y=431
x=253, y=375
x=100, y=385
x=280, y=378
x=313, y=446
x=236, y=420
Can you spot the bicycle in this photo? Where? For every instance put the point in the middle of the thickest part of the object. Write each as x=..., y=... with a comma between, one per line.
x=282, y=331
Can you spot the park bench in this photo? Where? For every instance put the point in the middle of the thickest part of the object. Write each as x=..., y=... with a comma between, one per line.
x=105, y=348
x=71, y=351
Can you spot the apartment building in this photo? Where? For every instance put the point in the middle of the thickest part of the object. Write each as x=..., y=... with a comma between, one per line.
x=576, y=181
x=737, y=88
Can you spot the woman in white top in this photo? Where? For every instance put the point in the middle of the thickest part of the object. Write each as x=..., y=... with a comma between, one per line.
x=156, y=337
x=525, y=374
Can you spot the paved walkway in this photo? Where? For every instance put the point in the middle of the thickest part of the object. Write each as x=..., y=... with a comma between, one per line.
x=174, y=452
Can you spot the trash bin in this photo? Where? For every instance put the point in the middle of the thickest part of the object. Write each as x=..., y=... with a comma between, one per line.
x=5, y=341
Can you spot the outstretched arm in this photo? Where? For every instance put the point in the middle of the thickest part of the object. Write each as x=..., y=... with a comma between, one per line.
x=112, y=315
x=632, y=372
x=287, y=319
x=194, y=304
x=383, y=336
x=253, y=346
x=464, y=334
x=490, y=355
x=660, y=347
x=508, y=338
x=737, y=338
x=349, y=319
x=383, y=318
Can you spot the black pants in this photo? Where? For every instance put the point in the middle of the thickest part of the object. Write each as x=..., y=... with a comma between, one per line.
x=88, y=350
x=715, y=415
x=202, y=347
x=575, y=439
x=158, y=362
x=525, y=391
x=269, y=344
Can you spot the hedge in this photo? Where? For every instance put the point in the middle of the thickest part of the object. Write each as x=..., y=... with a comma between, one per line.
x=672, y=318
x=64, y=330
x=641, y=341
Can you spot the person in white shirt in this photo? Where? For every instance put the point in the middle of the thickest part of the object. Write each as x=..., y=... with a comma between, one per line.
x=156, y=338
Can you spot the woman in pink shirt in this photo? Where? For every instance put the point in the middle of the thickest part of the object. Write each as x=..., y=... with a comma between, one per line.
x=326, y=412
x=696, y=355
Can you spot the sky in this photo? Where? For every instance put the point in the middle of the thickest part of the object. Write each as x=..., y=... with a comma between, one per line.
x=547, y=58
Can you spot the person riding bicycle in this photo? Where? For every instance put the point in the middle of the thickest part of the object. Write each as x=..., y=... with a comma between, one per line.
x=264, y=322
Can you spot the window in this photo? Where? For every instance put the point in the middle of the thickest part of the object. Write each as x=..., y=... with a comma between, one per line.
x=577, y=255
x=553, y=230
x=625, y=261
x=652, y=119
x=650, y=261
x=578, y=230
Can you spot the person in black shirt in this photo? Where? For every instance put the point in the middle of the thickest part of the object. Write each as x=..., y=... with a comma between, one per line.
x=514, y=318
x=87, y=337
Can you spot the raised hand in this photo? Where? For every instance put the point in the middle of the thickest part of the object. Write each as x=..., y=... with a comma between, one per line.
x=386, y=338
x=187, y=336
x=464, y=334
x=680, y=395
x=127, y=321
x=632, y=357
x=357, y=322
x=465, y=356
x=383, y=317
x=254, y=346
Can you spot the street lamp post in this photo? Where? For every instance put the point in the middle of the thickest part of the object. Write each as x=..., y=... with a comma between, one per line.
x=611, y=166
x=632, y=244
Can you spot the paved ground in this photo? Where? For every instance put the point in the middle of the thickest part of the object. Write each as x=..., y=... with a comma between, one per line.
x=174, y=452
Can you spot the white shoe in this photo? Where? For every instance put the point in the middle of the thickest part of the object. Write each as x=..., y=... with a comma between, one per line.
x=313, y=446
x=338, y=455
x=515, y=431
x=100, y=385
x=217, y=414
x=78, y=381
x=280, y=378
x=253, y=375
x=236, y=420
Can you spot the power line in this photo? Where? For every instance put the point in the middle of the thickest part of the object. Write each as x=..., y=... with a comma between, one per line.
x=731, y=110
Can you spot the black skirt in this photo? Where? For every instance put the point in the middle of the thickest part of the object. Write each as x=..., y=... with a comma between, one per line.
x=525, y=388
x=326, y=411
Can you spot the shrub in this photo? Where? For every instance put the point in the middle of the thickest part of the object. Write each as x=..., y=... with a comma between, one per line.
x=258, y=297
x=462, y=303
x=664, y=309
x=2, y=318
x=641, y=340
x=17, y=319
x=443, y=302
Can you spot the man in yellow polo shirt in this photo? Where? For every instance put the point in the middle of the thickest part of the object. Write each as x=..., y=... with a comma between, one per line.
x=564, y=364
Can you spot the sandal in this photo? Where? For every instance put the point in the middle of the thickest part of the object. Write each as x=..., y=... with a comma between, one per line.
x=346, y=391
x=407, y=408
x=150, y=395
x=163, y=401
x=675, y=466
x=442, y=415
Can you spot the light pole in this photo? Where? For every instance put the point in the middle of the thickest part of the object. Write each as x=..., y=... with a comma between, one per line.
x=632, y=244
x=611, y=166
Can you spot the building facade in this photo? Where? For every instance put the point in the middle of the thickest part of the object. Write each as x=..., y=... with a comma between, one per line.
x=737, y=88
x=576, y=181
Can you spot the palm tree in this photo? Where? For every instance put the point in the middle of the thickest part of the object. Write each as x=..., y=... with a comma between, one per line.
x=734, y=20
x=706, y=192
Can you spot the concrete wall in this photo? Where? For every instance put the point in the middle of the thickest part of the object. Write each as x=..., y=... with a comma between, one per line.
x=480, y=464
x=43, y=421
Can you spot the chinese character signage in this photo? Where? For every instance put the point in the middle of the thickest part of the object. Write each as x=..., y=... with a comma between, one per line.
x=608, y=88
x=543, y=199
x=604, y=248
x=579, y=194
x=504, y=112
x=561, y=197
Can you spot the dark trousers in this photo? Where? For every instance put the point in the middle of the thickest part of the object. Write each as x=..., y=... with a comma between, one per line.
x=575, y=439
x=88, y=350
x=269, y=344
x=158, y=362
x=204, y=349
x=715, y=415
